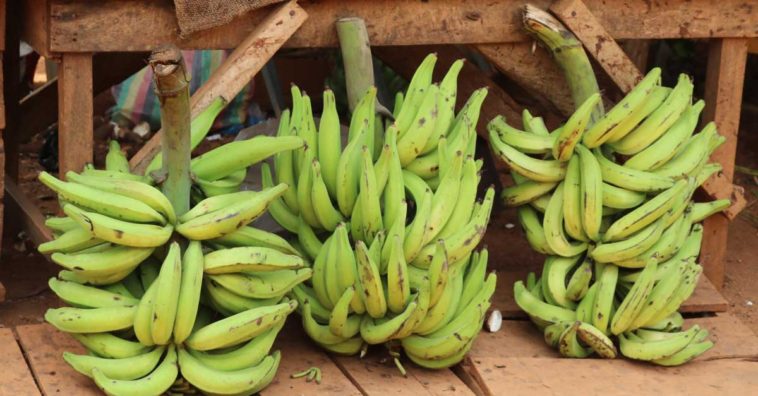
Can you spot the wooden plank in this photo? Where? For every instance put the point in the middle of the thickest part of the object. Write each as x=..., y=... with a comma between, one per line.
x=36, y=24
x=82, y=26
x=30, y=215
x=298, y=354
x=523, y=376
x=522, y=339
x=75, y=135
x=723, y=92
x=535, y=71
x=43, y=346
x=16, y=380
x=598, y=42
x=376, y=375
x=237, y=70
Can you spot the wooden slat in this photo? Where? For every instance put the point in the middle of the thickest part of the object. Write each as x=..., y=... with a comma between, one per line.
x=723, y=93
x=517, y=357
x=75, y=134
x=43, y=346
x=298, y=354
x=78, y=25
x=36, y=24
x=28, y=212
x=598, y=42
x=522, y=376
x=237, y=70
x=535, y=71
x=376, y=377
x=522, y=339
x=16, y=380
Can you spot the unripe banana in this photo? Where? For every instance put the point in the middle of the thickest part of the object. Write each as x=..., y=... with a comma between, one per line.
x=158, y=382
x=105, y=203
x=249, y=259
x=226, y=159
x=608, y=126
x=240, y=327
x=572, y=131
x=93, y=320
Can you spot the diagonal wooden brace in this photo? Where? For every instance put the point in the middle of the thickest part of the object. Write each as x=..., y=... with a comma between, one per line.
x=237, y=70
x=598, y=42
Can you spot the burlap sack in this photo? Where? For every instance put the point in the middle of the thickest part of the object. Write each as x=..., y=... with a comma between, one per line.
x=195, y=15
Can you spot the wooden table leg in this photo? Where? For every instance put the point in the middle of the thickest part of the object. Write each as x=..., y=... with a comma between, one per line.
x=723, y=97
x=75, y=137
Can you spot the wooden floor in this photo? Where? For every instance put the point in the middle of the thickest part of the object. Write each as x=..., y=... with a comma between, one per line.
x=513, y=361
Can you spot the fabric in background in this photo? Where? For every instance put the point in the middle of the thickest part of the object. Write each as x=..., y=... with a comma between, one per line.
x=196, y=15
x=136, y=101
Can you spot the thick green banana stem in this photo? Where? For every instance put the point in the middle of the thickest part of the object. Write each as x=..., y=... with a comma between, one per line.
x=568, y=52
x=172, y=88
x=356, y=55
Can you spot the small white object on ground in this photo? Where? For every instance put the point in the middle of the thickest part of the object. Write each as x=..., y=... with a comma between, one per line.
x=509, y=225
x=495, y=321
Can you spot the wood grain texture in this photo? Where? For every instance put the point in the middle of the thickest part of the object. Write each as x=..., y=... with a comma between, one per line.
x=536, y=72
x=16, y=379
x=237, y=70
x=523, y=376
x=298, y=354
x=375, y=376
x=598, y=42
x=75, y=134
x=35, y=28
x=30, y=215
x=725, y=77
x=43, y=346
x=77, y=25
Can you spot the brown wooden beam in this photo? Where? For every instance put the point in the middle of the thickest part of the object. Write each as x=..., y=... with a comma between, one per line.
x=31, y=217
x=723, y=95
x=598, y=42
x=75, y=134
x=86, y=26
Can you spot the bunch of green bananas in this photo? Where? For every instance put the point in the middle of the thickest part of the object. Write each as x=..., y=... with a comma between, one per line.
x=611, y=205
x=390, y=221
x=136, y=275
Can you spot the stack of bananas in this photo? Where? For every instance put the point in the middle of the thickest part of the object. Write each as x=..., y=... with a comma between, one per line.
x=611, y=205
x=389, y=267
x=136, y=275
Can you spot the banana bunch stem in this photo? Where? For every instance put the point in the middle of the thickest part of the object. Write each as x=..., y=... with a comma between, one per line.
x=568, y=53
x=172, y=88
x=356, y=55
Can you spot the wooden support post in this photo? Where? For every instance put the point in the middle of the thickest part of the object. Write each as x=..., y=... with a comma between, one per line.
x=75, y=135
x=723, y=97
x=237, y=70
x=598, y=42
